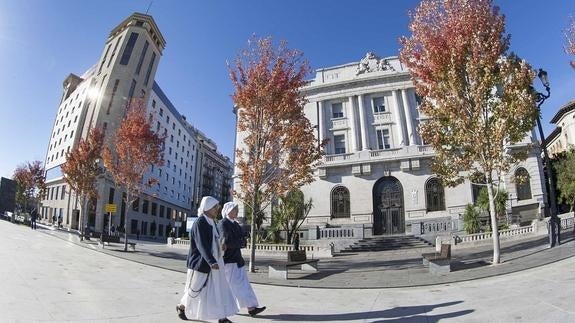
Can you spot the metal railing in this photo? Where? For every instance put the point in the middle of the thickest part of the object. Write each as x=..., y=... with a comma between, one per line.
x=327, y=233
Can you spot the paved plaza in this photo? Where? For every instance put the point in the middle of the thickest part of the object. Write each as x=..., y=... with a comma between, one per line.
x=46, y=279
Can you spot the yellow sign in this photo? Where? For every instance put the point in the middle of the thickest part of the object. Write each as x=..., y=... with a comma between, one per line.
x=110, y=208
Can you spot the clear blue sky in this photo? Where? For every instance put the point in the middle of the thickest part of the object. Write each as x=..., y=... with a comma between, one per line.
x=41, y=42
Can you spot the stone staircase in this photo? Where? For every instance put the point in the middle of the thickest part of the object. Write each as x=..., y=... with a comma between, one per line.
x=388, y=243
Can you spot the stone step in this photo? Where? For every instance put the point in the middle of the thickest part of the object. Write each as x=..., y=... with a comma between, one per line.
x=385, y=243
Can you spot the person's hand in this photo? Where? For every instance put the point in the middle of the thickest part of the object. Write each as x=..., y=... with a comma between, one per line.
x=215, y=266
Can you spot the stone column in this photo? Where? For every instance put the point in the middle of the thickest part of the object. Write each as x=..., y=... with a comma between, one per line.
x=352, y=132
x=362, y=119
x=398, y=119
x=408, y=117
x=321, y=121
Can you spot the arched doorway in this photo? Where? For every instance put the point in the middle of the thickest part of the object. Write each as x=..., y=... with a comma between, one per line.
x=388, y=215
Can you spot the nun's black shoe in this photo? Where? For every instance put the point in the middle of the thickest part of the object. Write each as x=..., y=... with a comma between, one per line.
x=181, y=313
x=224, y=321
x=256, y=311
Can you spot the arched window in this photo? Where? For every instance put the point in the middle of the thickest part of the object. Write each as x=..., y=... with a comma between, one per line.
x=435, y=195
x=522, y=184
x=340, y=202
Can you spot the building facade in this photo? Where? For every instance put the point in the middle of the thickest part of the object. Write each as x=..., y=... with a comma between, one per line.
x=7, y=195
x=99, y=98
x=214, y=176
x=376, y=173
x=563, y=136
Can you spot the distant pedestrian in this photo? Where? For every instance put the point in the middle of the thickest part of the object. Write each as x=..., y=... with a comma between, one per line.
x=33, y=217
x=207, y=295
x=53, y=219
x=137, y=234
x=234, y=240
x=60, y=221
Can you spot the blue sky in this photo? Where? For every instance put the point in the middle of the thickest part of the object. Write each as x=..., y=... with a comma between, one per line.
x=42, y=41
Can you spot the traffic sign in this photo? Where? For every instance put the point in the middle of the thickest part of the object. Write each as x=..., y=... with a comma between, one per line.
x=110, y=208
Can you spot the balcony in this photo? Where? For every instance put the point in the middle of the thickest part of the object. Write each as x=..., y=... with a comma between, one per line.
x=382, y=118
x=395, y=154
x=339, y=123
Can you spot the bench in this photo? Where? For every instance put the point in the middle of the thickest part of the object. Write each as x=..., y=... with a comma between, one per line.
x=438, y=262
x=295, y=258
x=104, y=238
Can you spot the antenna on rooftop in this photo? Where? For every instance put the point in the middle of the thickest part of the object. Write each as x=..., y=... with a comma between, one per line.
x=149, y=7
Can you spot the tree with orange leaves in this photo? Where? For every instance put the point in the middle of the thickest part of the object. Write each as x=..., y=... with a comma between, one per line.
x=81, y=170
x=478, y=97
x=278, y=151
x=30, y=181
x=133, y=150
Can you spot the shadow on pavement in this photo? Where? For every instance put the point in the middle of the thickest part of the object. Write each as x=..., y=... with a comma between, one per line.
x=399, y=313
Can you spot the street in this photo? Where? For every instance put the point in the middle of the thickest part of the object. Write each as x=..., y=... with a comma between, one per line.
x=50, y=280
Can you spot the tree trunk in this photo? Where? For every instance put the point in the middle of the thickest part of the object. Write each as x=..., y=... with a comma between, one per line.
x=83, y=217
x=255, y=210
x=128, y=207
x=494, y=228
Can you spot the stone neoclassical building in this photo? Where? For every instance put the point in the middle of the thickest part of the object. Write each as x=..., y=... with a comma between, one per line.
x=563, y=136
x=375, y=177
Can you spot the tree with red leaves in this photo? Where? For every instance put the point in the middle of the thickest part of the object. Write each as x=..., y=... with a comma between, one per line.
x=81, y=170
x=133, y=150
x=30, y=183
x=278, y=151
x=478, y=97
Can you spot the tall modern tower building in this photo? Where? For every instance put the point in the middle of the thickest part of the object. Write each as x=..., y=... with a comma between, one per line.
x=98, y=98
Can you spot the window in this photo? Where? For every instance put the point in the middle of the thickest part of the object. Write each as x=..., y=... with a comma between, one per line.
x=150, y=68
x=522, y=184
x=161, y=111
x=114, y=51
x=435, y=195
x=132, y=88
x=339, y=144
x=161, y=211
x=337, y=110
x=145, y=207
x=63, y=192
x=383, y=139
x=141, y=60
x=113, y=94
x=379, y=105
x=104, y=58
x=57, y=190
x=169, y=212
x=340, y=202
x=129, y=48
x=136, y=205
x=154, y=208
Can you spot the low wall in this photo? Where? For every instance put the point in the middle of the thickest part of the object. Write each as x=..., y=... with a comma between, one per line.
x=264, y=249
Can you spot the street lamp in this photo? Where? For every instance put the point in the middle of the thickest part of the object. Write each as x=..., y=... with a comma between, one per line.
x=554, y=229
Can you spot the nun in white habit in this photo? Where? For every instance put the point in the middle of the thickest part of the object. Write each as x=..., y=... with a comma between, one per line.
x=233, y=240
x=207, y=295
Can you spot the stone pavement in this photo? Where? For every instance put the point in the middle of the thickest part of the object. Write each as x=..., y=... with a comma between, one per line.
x=367, y=270
x=43, y=279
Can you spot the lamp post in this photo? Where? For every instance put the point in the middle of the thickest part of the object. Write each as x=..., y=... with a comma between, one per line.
x=554, y=230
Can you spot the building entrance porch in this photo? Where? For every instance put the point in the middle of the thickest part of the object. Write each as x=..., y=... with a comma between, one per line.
x=388, y=208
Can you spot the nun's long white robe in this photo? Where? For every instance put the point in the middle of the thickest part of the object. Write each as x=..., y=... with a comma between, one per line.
x=211, y=299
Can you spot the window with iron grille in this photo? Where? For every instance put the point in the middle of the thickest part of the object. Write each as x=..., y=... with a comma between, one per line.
x=340, y=202
x=435, y=195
